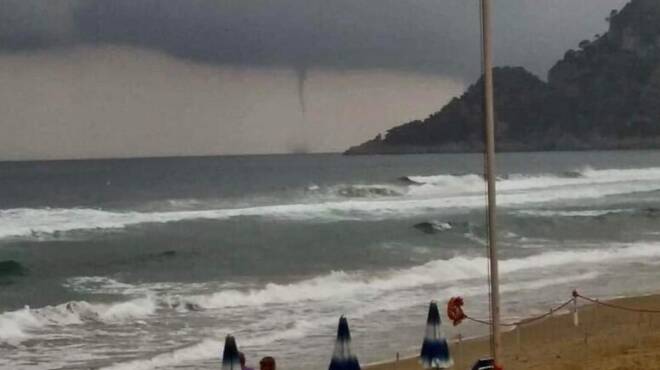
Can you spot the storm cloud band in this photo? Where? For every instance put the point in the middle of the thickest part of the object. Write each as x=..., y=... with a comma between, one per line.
x=421, y=35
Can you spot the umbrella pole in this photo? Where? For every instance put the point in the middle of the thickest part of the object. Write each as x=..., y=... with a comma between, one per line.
x=489, y=123
x=460, y=349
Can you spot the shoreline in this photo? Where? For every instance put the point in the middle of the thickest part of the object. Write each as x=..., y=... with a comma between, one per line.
x=605, y=338
x=412, y=149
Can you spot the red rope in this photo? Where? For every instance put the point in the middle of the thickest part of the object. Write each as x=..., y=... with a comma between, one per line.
x=457, y=315
x=520, y=322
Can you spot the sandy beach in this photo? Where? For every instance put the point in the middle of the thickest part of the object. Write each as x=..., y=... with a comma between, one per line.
x=605, y=339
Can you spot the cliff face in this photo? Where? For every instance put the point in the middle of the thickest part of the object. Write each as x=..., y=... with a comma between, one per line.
x=604, y=95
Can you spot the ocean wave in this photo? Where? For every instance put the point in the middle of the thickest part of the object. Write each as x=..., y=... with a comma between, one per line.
x=203, y=350
x=368, y=191
x=342, y=284
x=319, y=193
x=649, y=212
x=110, y=286
x=101, y=285
x=571, y=213
x=208, y=348
x=450, y=184
x=447, y=184
x=436, y=193
x=434, y=227
x=361, y=292
x=11, y=268
x=339, y=286
x=16, y=326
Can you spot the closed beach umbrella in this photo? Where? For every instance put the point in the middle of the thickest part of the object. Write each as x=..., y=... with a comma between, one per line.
x=230, y=357
x=435, y=351
x=342, y=358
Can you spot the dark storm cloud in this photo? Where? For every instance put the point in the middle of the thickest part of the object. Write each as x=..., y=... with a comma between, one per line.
x=28, y=24
x=299, y=33
x=424, y=35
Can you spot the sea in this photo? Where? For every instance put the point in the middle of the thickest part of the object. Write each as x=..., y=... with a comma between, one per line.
x=149, y=263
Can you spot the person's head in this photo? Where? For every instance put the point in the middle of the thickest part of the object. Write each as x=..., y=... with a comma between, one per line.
x=241, y=358
x=267, y=363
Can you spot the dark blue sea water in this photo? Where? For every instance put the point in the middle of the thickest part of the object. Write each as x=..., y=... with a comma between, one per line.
x=149, y=263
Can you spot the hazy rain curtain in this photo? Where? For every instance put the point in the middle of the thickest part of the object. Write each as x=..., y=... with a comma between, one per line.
x=342, y=358
x=435, y=351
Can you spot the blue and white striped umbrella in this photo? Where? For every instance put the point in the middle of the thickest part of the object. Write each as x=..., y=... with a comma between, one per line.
x=230, y=357
x=435, y=351
x=342, y=358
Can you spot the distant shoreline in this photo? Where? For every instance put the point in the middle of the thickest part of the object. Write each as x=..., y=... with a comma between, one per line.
x=393, y=151
x=163, y=157
x=371, y=148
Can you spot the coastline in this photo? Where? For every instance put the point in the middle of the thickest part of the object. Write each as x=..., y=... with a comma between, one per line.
x=381, y=148
x=606, y=338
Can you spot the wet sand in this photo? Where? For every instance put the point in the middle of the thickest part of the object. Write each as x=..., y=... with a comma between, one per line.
x=605, y=339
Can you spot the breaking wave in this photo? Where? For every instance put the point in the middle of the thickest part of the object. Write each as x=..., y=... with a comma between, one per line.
x=342, y=284
x=433, y=193
x=106, y=285
x=369, y=191
x=17, y=325
x=375, y=292
x=330, y=286
x=571, y=213
x=201, y=350
x=450, y=184
x=208, y=347
x=410, y=285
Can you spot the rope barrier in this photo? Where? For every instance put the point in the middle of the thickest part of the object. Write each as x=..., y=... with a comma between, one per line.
x=524, y=321
x=456, y=313
x=615, y=306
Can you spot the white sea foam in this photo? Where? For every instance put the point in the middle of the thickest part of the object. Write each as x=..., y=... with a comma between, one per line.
x=13, y=325
x=339, y=285
x=517, y=286
x=315, y=300
x=106, y=285
x=209, y=348
x=436, y=193
x=18, y=325
x=202, y=350
x=571, y=213
x=335, y=286
x=587, y=175
x=100, y=285
x=448, y=184
x=620, y=181
x=331, y=287
x=367, y=191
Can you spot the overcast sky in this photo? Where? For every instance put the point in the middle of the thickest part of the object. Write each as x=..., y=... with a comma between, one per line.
x=122, y=78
